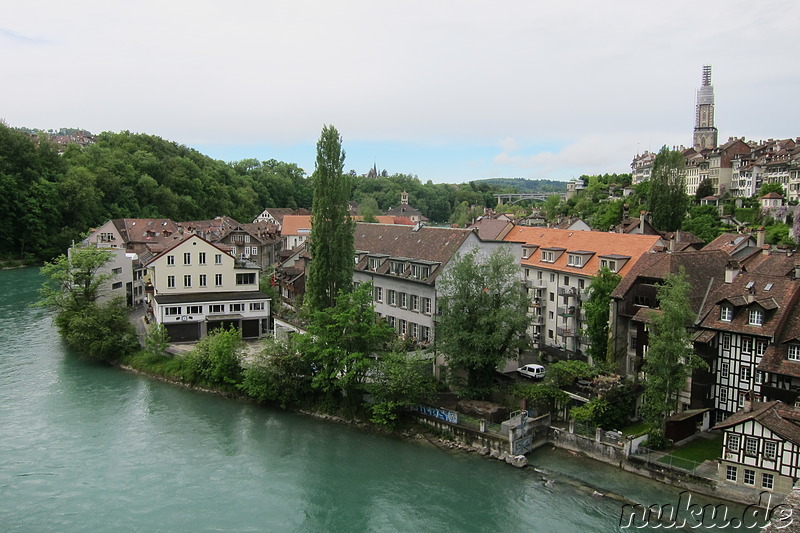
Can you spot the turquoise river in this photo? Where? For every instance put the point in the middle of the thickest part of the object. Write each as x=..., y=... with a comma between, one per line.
x=89, y=448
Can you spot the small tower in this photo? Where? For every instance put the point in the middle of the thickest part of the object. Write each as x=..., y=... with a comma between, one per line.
x=404, y=198
x=705, y=133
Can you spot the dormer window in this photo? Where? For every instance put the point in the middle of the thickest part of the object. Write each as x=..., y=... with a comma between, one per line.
x=575, y=260
x=548, y=256
x=726, y=313
x=794, y=352
x=756, y=317
x=609, y=264
x=420, y=271
x=374, y=263
x=397, y=267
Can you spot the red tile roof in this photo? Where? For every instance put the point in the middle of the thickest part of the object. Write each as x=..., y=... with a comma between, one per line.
x=600, y=243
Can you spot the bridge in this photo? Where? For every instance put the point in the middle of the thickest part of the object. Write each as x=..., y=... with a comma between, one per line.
x=513, y=198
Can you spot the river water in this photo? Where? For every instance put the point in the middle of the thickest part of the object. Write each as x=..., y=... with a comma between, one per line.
x=89, y=448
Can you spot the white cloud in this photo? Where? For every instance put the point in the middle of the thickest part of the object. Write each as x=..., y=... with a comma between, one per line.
x=605, y=76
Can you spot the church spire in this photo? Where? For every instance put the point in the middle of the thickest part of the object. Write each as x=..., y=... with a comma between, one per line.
x=705, y=133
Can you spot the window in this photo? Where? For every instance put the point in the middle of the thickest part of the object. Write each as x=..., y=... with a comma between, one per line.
x=218, y=280
x=420, y=271
x=726, y=342
x=254, y=250
x=730, y=473
x=392, y=297
x=770, y=449
x=749, y=477
x=237, y=308
x=744, y=373
x=747, y=344
x=414, y=303
x=391, y=320
x=548, y=257
x=760, y=347
x=117, y=270
x=247, y=238
x=767, y=480
x=403, y=300
x=170, y=260
x=414, y=330
x=117, y=285
x=233, y=251
x=216, y=308
x=581, y=283
x=723, y=394
x=726, y=313
x=172, y=311
x=751, y=445
x=741, y=399
x=552, y=277
x=733, y=442
x=539, y=274
x=424, y=333
x=724, y=369
x=634, y=342
x=756, y=317
x=794, y=352
x=247, y=278
x=759, y=377
x=574, y=260
x=195, y=309
x=187, y=258
x=257, y=306
x=217, y=259
x=609, y=264
x=403, y=327
x=426, y=306
x=187, y=280
x=170, y=282
x=374, y=263
x=378, y=294
x=397, y=267
x=201, y=258
x=552, y=297
x=202, y=280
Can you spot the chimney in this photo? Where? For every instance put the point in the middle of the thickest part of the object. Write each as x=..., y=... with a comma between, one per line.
x=796, y=271
x=760, y=237
x=642, y=215
x=625, y=212
x=731, y=271
x=748, y=402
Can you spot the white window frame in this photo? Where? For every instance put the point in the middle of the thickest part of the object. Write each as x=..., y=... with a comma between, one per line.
x=756, y=317
x=733, y=442
x=767, y=481
x=770, y=450
x=793, y=352
x=726, y=313
x=730, y=473
x=749, y=476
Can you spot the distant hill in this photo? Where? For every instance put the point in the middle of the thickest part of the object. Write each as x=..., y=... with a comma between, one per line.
x=525, y=185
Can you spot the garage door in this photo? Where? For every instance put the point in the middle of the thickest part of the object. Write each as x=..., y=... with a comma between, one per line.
x=250, y=329
x=183, y=331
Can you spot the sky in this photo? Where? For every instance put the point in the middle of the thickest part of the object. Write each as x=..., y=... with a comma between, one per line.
x=449, y=91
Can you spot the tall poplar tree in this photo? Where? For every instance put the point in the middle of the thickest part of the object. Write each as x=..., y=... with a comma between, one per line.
x=668, y=200
x=332, y=241
x=598, y=308
x=669, y=360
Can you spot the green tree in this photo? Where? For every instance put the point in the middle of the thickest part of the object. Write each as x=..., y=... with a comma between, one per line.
x=771, y=187
x=343, y=341
x=400, y=380
x=75, y=281
x=669, y=360
x=278, y=374
x=597, y=309
x=706, y=188
x=332, y=232
x=668, y=200
x=157, y=341
x=704, y=222
x=216, y=360
x=483, y=315
x=564, y=373
x=99, y=332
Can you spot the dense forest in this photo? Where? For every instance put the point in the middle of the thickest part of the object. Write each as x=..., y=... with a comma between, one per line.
x=50, y=199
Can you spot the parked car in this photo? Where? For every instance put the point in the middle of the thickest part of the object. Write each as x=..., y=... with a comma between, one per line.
x=531, y=371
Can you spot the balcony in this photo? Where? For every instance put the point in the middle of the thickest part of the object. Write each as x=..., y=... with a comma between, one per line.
x=537, y=319
x=568, y=291
x=566, y=332
x=536, y=302
x=568, y=311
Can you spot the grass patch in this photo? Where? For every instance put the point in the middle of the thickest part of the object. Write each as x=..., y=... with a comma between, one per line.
x=635, y=429
x=693, y=454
